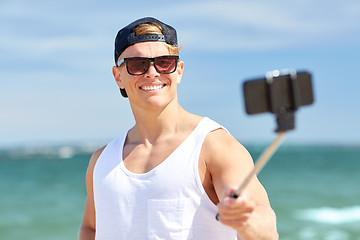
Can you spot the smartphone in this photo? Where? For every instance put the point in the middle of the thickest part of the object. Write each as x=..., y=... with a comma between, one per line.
x=278, y=93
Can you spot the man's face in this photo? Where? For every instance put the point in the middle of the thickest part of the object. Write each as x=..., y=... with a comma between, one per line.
x=151, y=88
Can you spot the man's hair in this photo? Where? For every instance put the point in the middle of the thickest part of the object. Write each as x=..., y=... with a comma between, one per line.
x=154, y=28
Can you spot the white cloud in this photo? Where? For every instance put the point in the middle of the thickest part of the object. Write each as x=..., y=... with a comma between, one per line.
x=68, y=46
x=42, y=46
x=262, y=25
x=236, y=25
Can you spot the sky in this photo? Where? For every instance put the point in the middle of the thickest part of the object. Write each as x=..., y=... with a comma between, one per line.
x=56, y=83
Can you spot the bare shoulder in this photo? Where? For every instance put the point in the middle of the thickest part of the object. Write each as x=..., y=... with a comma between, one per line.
x=220, y=147
x=94, y=158
x=90, y=170
x=97, y=154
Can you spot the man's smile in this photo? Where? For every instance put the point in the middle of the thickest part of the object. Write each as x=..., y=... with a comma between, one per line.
x=152, y=87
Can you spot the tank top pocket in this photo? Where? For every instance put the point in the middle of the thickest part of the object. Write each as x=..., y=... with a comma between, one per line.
x=169, y=219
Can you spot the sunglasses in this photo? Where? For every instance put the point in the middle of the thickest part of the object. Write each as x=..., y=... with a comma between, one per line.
x=140, y=65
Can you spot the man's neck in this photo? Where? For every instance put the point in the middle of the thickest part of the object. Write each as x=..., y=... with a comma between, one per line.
x=151, y=125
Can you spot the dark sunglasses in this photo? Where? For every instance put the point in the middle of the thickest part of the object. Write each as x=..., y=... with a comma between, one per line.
x=140, y=65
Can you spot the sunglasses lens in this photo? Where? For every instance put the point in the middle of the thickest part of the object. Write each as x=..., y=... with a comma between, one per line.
x=137, y=66
x=166, y=64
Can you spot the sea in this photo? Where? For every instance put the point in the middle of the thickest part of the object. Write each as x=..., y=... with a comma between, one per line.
x=314, y=191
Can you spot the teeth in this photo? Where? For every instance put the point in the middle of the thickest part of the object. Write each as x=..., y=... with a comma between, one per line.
x=149, y=88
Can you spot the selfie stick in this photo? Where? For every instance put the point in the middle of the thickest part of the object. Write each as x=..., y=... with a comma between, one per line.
x=298, y=92
x=260, y=163
x=285, y=119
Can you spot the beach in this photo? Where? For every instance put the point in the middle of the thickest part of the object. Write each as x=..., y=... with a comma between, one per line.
x=314, y=191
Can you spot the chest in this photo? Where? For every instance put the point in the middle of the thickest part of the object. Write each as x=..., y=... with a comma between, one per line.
x=139, y=158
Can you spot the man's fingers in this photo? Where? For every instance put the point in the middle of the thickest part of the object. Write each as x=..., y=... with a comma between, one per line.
x=232, y=210
x=233, y=219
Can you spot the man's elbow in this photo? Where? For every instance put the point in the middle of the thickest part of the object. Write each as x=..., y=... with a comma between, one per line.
x=275, y=234
x=86, y=233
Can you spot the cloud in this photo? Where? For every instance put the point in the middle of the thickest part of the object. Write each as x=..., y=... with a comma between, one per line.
x=45, y=27
x=57, y=55
x=263, y=25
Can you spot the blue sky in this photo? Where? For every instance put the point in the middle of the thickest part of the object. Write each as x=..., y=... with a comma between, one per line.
x=56, y=57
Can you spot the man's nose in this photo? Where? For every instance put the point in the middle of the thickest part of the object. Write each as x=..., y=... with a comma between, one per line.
x=152, y=70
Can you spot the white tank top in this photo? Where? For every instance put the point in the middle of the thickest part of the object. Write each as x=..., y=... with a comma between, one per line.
x=168, y=202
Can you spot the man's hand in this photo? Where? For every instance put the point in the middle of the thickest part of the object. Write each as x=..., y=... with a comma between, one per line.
x=235, y=212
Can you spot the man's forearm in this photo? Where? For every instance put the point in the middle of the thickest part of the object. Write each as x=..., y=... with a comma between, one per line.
x=260, y=226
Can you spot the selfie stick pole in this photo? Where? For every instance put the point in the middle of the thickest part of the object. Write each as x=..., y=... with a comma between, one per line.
x=260, y=163
x=285, y=120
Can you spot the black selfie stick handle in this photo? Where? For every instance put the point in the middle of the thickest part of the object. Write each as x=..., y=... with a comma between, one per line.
x=234, y=195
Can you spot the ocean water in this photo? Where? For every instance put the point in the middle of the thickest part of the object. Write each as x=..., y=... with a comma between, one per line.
x=314, y=191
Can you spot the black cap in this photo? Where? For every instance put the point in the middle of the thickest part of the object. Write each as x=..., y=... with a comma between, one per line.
x=126, y=37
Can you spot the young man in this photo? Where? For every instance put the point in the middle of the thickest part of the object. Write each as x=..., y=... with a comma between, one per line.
x=169, y=175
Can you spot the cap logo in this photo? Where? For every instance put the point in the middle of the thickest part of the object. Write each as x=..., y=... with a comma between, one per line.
x=146, y=38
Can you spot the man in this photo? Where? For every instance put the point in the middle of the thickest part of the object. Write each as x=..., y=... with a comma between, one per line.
x=169, y=175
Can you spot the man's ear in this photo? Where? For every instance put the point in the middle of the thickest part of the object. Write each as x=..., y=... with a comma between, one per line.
x=180, y=70
x=117, y=76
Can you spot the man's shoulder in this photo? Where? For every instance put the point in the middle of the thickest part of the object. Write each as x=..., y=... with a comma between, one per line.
x=220, y=146
x=220, y=137
x=95, y=156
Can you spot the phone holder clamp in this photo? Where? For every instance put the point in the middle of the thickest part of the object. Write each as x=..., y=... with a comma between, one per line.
x=285, y=117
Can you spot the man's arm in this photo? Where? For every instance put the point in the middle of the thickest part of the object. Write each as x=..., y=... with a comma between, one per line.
x=87, y=229
x=229, y=163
